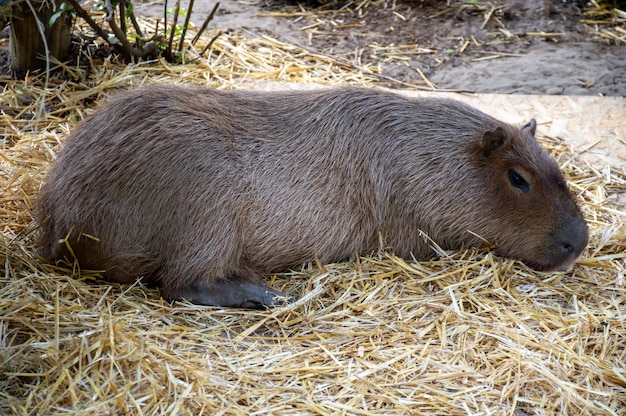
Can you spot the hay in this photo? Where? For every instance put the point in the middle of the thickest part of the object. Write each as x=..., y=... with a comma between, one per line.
x=606, y=21
x=468, y=333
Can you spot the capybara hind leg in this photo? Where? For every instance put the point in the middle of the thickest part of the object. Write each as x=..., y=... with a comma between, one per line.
x=234, y=292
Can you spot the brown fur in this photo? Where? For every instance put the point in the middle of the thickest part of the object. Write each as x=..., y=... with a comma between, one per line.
x=201, y=190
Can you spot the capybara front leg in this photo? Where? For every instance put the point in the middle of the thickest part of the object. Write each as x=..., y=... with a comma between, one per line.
x=235, y=292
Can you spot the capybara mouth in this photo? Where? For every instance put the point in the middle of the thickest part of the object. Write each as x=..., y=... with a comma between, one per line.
x=558, y=266
x=563, y=249
x=555, y=263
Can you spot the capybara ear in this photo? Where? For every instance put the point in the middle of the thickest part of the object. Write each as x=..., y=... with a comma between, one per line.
x=531, y=126
x=493, y=140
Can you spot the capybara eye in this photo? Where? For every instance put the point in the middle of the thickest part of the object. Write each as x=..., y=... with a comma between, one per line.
x=518, y=181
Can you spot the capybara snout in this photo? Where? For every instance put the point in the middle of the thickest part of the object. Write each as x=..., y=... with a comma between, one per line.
x=203, y=191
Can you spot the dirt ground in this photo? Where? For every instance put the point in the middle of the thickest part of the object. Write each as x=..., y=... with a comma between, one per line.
x=504, y=46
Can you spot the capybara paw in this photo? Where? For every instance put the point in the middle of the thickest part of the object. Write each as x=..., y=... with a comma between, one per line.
x=270, y=299
x=233, y=292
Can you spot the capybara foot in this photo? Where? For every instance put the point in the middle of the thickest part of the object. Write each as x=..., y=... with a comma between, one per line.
x=235, y=292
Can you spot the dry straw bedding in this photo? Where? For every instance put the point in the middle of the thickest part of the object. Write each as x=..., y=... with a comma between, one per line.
x=465, y=333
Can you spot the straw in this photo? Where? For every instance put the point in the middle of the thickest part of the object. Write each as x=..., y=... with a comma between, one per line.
x=464, y=333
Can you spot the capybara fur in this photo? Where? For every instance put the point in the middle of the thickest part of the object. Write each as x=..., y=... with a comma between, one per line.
x=202, y=192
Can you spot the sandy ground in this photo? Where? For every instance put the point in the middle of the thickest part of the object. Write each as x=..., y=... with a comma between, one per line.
x=502, y=55
x=581, y=68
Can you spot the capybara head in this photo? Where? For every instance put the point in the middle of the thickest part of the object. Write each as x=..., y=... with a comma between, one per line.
x=531, y=214
x=202, y=191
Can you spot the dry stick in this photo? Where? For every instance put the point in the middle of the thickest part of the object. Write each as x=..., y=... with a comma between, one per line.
x=122, y=7
x=488, y=17
x=173, y=30
x=147, y=49
x=133, y=20
x=220, y=33
x=126, y=48
x=164, y=18
x=205, y=24
x=211, y=42
x=432, y=16
x=139, y=41
x=83, y=13
x=182, y=36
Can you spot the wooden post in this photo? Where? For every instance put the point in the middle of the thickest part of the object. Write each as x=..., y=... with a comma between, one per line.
x=28, y=20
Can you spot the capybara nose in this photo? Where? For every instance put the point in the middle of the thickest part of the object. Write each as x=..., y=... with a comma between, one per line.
x=568, y=246
x=565, y=250
x=578, y=240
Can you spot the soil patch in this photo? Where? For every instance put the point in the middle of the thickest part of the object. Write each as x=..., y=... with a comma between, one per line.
x=511, y=47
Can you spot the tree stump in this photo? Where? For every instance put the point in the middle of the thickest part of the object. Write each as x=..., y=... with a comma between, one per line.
x=29, y=20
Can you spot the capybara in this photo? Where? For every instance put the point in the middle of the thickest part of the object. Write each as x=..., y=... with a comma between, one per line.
x=202, y=192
